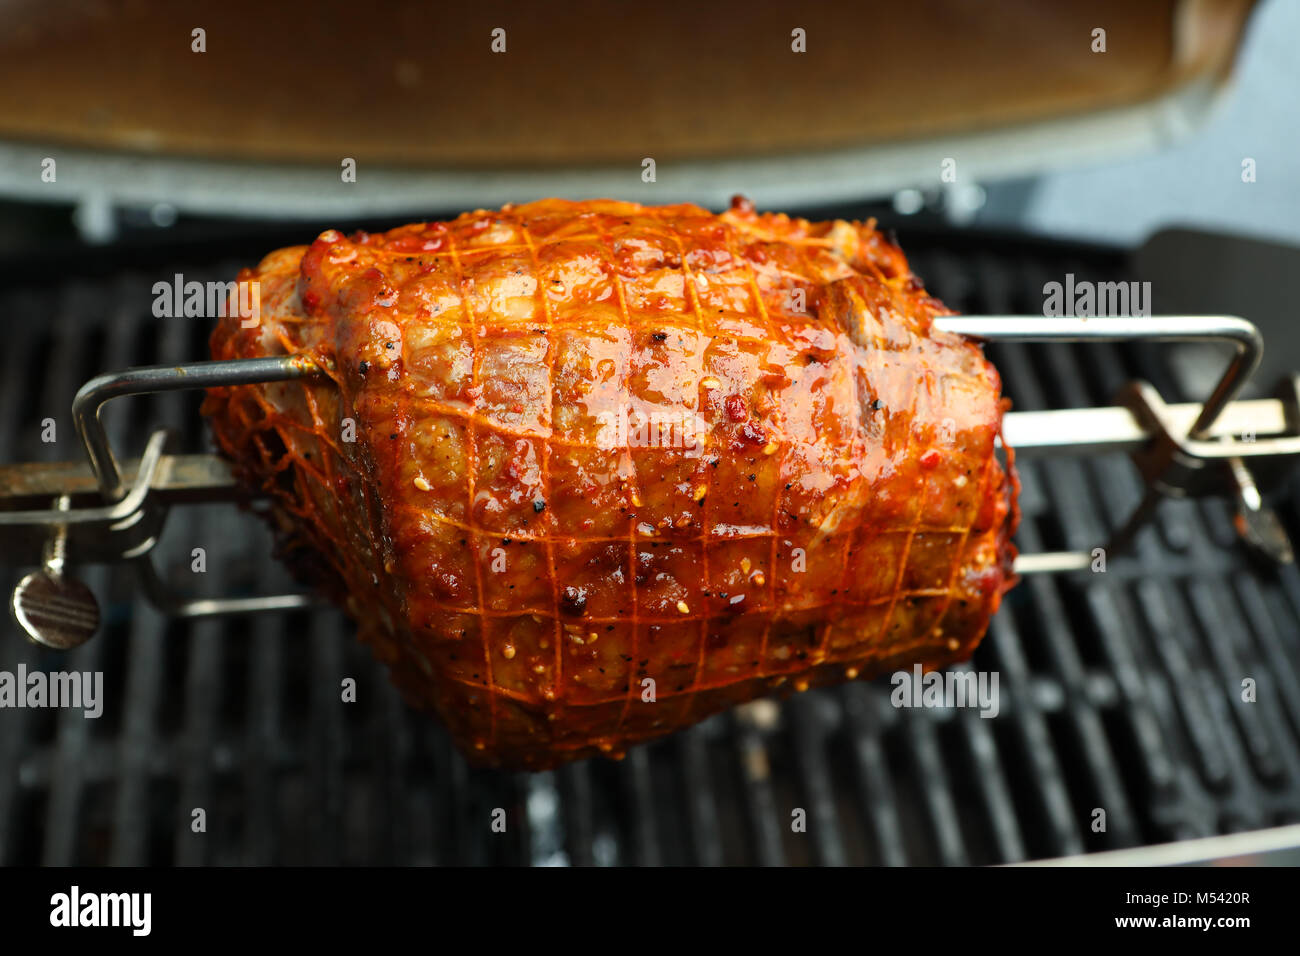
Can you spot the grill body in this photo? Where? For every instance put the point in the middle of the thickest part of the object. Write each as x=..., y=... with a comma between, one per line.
x=1119, y=692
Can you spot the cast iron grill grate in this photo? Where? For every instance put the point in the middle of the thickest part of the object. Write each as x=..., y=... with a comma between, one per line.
x=1118, y=691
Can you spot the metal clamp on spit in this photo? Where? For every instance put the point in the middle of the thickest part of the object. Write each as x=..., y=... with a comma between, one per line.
x=102, y=512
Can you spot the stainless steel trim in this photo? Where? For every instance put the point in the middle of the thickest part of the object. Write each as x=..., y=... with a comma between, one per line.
x=1235, y=848
x=103, y=179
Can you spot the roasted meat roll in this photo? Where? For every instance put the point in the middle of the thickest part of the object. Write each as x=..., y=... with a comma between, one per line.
x=585, y=473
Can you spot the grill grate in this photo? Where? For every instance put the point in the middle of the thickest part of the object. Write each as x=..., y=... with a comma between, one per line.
x=1119, y=691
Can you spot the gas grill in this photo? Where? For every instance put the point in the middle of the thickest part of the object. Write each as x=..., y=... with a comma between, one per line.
x=1120, y=691
x=1139, y=709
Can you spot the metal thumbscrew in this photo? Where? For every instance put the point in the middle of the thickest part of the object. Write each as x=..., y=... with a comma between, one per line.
x=1257, y=525
x=55, y=610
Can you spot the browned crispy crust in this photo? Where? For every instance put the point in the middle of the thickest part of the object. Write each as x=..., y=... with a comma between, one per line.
x=603, y=449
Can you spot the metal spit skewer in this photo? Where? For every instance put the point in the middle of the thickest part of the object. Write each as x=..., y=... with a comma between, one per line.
x=1178, y=442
